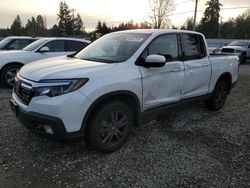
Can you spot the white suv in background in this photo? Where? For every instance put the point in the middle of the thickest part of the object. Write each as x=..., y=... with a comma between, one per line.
x=241, y=48
x=12, y=61
x=16, y=42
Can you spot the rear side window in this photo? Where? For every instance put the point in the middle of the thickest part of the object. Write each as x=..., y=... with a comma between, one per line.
x=193, y=47
x=74, y=45
x=18, y=44
x=56, y=46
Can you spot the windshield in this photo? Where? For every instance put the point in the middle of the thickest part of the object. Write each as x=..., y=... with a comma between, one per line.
x=239, y=43
x=35, y=45
x=113, y=48
x=4, y=42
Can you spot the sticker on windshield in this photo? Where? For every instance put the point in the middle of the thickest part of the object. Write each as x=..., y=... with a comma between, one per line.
x=134, y=39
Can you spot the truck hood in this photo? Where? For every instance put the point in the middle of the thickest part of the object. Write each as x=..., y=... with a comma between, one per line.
x=61, y=68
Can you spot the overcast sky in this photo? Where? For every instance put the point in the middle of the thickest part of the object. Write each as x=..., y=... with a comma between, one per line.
x=111, y=11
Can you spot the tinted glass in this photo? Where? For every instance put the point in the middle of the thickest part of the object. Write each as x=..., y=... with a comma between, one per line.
x=18, y=44
x=75, y=46
x=192, y=46
x=56, y=46
x=166, y=45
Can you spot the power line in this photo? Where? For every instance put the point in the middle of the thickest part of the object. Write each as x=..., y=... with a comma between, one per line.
x=170, y=15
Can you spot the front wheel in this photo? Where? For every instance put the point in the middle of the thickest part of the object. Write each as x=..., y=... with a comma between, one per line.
x=8, y=75
x=109, y=127
x=243, y=59
x=218, y=98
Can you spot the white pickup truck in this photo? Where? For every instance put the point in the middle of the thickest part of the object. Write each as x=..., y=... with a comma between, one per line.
x=118, y=80
x=12, y=61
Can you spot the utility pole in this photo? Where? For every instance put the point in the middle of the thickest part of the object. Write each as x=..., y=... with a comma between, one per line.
x=73, y=10
x=220, y=24
x=195, y=14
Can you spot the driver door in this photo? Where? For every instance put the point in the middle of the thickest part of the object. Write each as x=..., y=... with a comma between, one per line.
x=162, y=85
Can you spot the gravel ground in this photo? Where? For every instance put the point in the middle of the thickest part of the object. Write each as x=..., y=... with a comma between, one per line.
x=192, y=147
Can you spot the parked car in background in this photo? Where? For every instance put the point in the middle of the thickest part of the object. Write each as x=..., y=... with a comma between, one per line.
x=214, y=50
x=109, y=86
x=12, y=61
x=16, y=42
x=241, y=48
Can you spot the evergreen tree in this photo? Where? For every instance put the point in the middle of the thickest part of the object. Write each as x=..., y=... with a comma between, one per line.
x=78, y=25
x=65, y=19
x=188, y=25
x=31, y=27
x=16, y=27
x=210, y=22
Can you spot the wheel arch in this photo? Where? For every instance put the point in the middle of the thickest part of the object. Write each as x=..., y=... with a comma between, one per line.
x=227, y=77
x=8, y=64
x=128, y=97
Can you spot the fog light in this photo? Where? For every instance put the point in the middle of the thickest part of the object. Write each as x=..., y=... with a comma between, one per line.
x=48, y=129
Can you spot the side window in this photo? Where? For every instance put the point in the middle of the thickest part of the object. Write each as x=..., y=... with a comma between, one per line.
x=166, y=45
x=193, y=46
x=249, y=45
x=56, y=46
x=74, y=45
x=18, y=44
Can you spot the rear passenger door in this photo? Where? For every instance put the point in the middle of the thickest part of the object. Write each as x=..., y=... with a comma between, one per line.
x=197, y=66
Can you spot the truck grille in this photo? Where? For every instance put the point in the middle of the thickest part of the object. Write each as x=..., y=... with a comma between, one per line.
x=24, y=91
x=227, y=50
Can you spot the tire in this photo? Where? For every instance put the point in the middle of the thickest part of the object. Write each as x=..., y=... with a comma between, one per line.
x=8, y=75
x=218, y=98
x=243, y=59
x=109, y=127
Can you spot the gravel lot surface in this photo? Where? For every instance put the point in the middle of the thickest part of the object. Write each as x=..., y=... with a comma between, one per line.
x=192, y=147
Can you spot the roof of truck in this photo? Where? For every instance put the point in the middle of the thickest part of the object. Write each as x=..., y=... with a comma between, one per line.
x=157, y=31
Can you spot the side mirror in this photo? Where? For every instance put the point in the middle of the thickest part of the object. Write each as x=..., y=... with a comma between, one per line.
x=154, y=61
x=44, y=49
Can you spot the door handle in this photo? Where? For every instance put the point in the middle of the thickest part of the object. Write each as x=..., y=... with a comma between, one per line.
x=176, y=69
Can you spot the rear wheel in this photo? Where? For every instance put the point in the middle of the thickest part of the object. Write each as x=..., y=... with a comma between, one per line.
x=243, y=58
x=109, y=127
x=8, y=74
x=218, y=98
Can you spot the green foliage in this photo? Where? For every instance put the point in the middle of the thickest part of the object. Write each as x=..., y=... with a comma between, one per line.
x=78, y=25
x=68, y=25
x=102, y=28
x=36, y=27
x=16, y=27
x=209, y=25
x=189, y=24
x=65, y=18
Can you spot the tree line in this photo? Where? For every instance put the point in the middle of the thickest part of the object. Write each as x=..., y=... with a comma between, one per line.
x=72, y=25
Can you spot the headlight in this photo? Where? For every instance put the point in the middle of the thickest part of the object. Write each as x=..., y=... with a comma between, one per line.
x=238, y=51
x=52, y=88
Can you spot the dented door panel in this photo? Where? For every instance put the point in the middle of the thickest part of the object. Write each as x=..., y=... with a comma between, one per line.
x=197, y=77
x=162, y=85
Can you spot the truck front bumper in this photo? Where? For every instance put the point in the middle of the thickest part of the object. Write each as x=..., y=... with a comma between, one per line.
x=43, y=124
